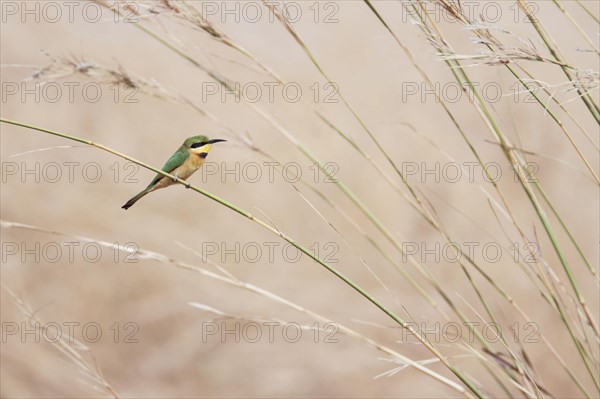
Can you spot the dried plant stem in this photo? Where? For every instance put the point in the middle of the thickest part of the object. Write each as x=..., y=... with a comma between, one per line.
x=227, y=278
x=549, y=42
x=68, y=345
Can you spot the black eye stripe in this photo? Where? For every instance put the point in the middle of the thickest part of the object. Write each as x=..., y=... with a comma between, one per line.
x=199, y=144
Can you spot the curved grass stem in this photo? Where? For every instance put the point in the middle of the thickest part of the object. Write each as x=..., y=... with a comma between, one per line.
x=468, y=383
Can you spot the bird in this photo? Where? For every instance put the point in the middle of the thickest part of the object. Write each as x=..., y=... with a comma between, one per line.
x=183, y=163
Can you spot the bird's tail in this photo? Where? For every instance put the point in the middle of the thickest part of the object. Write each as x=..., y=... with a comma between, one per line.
x=135, y=199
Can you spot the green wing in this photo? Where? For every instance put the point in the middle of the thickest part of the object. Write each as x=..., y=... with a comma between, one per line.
x=176, y=160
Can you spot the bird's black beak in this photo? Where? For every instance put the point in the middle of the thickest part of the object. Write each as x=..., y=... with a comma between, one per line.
x=214, y=141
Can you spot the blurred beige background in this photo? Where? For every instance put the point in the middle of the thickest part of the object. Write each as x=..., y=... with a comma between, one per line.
x=170, y=358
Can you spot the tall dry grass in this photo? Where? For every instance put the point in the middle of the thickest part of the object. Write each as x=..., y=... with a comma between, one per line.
x=547, y=278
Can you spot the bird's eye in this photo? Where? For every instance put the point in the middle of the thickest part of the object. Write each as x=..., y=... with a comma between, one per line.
x=198, y=144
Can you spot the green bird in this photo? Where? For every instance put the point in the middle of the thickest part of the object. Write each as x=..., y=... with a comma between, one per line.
x=186, y=160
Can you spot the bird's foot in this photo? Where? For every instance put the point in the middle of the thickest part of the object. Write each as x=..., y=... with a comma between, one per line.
x=187, y=185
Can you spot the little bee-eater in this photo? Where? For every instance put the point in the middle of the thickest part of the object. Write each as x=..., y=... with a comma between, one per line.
x=186, y=160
